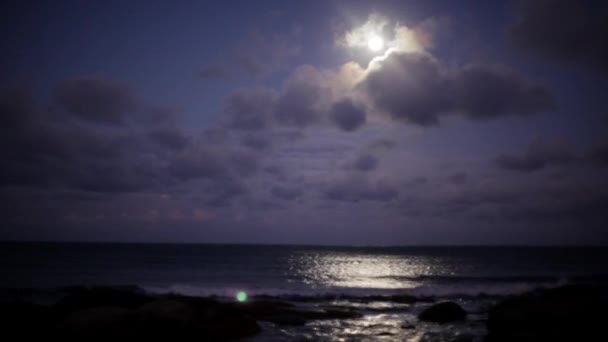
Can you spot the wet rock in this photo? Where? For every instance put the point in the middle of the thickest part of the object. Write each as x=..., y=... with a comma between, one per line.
x=445, y=312
x=446, y=337
x=283, y=313
x=570, y=313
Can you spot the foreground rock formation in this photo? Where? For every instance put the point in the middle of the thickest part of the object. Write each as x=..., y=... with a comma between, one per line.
x=570, y=313
x=104, y=313
x=445, y=312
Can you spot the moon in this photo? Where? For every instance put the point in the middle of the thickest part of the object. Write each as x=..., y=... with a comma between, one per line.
x=375, y=43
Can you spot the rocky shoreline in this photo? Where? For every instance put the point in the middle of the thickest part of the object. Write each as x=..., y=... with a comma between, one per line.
x=569, y=313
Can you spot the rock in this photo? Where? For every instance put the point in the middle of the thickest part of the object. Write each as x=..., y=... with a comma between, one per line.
x=25, y=320
x=570, y=313
x=462, y=338
x=446, y=336
x=81, y=298
x=95, y=323
x=283, y=313
x=286, y=319
x=443, y=313
x=161, y=319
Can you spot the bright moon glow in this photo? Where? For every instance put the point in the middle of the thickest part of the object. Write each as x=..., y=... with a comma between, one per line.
x=375, y=43
x=241, y=296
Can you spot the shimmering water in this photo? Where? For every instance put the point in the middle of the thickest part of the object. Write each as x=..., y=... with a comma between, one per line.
x=455, y=273
x=226, y=269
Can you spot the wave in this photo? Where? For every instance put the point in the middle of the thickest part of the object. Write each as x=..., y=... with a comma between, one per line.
x=421, y=286
x=499, y=279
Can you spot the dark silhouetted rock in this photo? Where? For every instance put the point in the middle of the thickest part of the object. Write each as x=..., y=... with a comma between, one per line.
x=161, y=319
x=570, y=313
x=80, y=298
x=446, y=336
x=283, y=313
x=443, y=313
x=24, y=320
x=95, y=323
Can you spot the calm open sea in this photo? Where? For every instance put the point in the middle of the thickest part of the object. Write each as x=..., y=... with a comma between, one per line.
x=223, y=269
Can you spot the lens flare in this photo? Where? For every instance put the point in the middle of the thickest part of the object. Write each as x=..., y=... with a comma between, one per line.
x=241, y=296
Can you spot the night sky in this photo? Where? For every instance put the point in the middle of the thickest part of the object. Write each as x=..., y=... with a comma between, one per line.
x=305, y=122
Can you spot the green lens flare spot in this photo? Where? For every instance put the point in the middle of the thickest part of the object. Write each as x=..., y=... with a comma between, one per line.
x=241, y=296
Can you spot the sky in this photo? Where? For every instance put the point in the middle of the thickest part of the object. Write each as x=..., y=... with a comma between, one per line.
x=304, y=122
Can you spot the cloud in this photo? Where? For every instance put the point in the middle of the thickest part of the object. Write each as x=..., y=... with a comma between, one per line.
x=489, y=91
x=220, y=192
x=347, y=115
x=169, y=137
x=416, y=88
x=565, y=31
x=538, y=155
x=96, y=99
x=366, y=162
x=256, y=142
x=355, y=190
x=382, y=144
x=458, y=178
x=250, y=109
x=40, y=149
x=244, y=163
x=599, y=154
x=299, y=103
x=286, y=193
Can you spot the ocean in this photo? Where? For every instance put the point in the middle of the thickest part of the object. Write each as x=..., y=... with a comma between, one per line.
x=472, y=276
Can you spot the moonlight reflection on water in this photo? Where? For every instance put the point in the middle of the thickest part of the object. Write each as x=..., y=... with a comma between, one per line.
x=365, y=270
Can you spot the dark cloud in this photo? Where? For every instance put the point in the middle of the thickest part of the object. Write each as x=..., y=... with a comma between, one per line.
x=382, y=144
x=366, y=162
x=458, y=178
x=298, y=104
x=16, y=108
x=416, y=88
x=539, y=155
x=599, y=154
x=197, y=163
x=169, y=137
x=39, y=150
x=562, y=30
x=251, y=108
x=347, y=115
x=356, y=190
x=219, y=192
x=256, y=142
x=487, y=91
x=286, y=193
x=409, y=87
x=244, y=163
x=96, y=99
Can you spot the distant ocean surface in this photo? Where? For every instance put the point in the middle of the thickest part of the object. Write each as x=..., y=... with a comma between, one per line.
x=205, y=269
